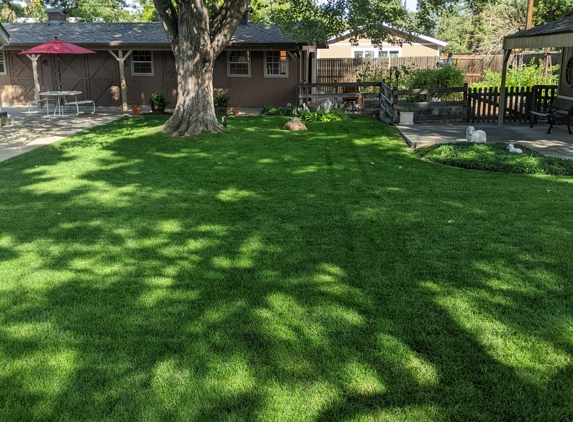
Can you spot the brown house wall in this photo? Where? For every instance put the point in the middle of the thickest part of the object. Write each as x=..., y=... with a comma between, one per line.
x=256, y=90
x=97, y=76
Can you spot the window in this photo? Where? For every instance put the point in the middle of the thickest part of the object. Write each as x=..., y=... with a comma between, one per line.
x=239, y=63
x=2, y=65
x=276, y=64
x=142, y=62
x=371, y=53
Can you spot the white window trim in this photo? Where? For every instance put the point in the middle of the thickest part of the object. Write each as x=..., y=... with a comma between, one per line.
x=3, y=60
x=376, y=50
x=143, y=74
x=229, y=75
x=274, y=76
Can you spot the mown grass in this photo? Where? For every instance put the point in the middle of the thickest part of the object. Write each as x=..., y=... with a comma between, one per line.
x=267, y=275
x=495, y=157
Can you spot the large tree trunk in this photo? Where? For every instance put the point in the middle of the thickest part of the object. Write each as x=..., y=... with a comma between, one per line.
x=197, y=39
x=194, y=111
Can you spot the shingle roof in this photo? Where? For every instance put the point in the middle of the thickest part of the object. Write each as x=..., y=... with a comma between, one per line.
x=561, y=26
x=94, y=33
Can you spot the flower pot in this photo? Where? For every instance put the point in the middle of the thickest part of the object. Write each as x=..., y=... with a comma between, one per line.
x=406, y=117
x=221, y=110
x=157, y=109
x=236, y=112
x=136, y=111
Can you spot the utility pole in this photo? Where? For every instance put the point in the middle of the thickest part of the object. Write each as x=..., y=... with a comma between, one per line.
x=529, y=17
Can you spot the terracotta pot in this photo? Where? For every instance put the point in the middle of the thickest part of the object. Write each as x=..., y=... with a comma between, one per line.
x=136, y=111
x=158, y=109
x=236, y=112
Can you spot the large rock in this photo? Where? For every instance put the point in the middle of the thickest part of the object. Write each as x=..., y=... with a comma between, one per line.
x=294, y=124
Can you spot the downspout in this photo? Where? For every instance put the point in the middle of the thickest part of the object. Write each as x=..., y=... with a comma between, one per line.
x=502, y=94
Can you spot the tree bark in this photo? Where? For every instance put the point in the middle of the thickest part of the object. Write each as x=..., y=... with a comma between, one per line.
x=197, y=39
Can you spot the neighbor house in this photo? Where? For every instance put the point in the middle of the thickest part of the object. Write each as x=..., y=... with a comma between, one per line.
x=407, y=45
x=259, y=66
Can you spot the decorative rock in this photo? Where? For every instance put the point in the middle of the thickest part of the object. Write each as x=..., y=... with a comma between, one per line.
x=514, y=150
x=479, y=137
x=294, y=124
x=469, y=131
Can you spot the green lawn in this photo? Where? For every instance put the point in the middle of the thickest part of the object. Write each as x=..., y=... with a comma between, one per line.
x=267, y=275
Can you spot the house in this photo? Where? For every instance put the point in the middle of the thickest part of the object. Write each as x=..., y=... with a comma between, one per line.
x=557, y=34
x=259, y=66
x=420, y=45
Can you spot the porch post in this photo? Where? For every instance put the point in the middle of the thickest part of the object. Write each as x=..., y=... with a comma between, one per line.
x=502, y=96
x=121, y=62
x=34, y=58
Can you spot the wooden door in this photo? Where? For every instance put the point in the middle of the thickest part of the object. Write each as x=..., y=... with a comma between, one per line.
x=103, y=79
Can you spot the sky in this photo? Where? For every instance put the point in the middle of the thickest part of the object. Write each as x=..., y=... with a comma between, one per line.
x=411, y=4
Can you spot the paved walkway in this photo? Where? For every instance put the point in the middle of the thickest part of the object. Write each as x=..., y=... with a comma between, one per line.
x=35, y=129
x=558, y=143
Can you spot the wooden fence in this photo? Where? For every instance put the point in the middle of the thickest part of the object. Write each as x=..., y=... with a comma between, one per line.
x=472, y=105
x=362, y=95
x=348, y=70
x=483, y=103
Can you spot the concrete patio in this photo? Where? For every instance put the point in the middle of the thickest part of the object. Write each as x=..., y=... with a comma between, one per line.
x=558, y=143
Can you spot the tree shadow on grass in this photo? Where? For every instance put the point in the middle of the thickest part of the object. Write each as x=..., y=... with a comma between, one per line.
x=229, y=278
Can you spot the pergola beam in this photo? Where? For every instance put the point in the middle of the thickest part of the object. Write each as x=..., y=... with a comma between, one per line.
x=502, y=94
x=123, y=84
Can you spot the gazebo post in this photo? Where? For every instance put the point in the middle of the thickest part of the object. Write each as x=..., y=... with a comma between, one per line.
x=34, y=58
x=502, y=96
x=121, y=61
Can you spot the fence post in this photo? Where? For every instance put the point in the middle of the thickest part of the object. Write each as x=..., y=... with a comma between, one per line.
x=466, y=98
x=394, y=102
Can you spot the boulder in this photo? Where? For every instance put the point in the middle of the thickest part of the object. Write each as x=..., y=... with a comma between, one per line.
x=294, y=124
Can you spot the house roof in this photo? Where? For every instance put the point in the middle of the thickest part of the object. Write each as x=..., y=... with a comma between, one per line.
x=553, y=34
x=426, y=38
x=4, y=36
x=149, y=35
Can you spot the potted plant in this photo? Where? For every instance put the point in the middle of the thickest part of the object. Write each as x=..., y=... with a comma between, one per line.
x=157, y=101
x=236, y=111
x=221, y=101
x=135, y=108
x=407, y=116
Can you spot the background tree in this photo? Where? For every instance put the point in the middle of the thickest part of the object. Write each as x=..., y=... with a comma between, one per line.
x=89, y=10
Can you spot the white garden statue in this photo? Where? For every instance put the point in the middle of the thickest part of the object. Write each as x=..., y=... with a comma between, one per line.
x=514, y=150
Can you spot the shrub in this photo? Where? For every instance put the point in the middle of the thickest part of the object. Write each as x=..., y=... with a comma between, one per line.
x=443, y=77
x=221, y=98
x=522, y=76
x=324, y=114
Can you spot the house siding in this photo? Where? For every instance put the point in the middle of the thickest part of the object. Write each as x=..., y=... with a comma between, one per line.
x=343, y=49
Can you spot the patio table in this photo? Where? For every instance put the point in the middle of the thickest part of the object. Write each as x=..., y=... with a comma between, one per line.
x=60, y=98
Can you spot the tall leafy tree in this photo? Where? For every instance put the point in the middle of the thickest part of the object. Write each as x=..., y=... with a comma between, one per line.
x=199, y=31
x=89, y=10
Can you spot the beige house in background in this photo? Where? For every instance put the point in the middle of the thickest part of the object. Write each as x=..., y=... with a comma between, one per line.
x=421, y=45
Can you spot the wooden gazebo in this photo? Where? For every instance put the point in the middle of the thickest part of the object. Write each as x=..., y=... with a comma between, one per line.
x=557, y=34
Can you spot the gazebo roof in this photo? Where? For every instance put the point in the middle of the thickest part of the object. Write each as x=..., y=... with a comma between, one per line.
x=553, y=34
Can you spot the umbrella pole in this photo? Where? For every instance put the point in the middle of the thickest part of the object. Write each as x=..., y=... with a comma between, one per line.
x=59, y=73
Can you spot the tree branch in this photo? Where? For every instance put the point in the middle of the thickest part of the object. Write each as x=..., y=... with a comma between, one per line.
x=224, y=23
x=168, y=14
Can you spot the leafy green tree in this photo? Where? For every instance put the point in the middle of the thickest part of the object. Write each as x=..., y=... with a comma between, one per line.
x=10, y=10
x=89, y=10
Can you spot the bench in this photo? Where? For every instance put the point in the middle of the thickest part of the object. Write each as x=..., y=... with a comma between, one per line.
x=38, y=103
x=81, y=103
x=558, y=113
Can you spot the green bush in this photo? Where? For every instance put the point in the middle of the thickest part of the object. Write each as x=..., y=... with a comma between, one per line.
x=304, y=114
x=443, y=77
x=522, y=76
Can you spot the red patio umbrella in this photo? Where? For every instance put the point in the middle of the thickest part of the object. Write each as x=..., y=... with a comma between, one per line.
x=58, y=47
